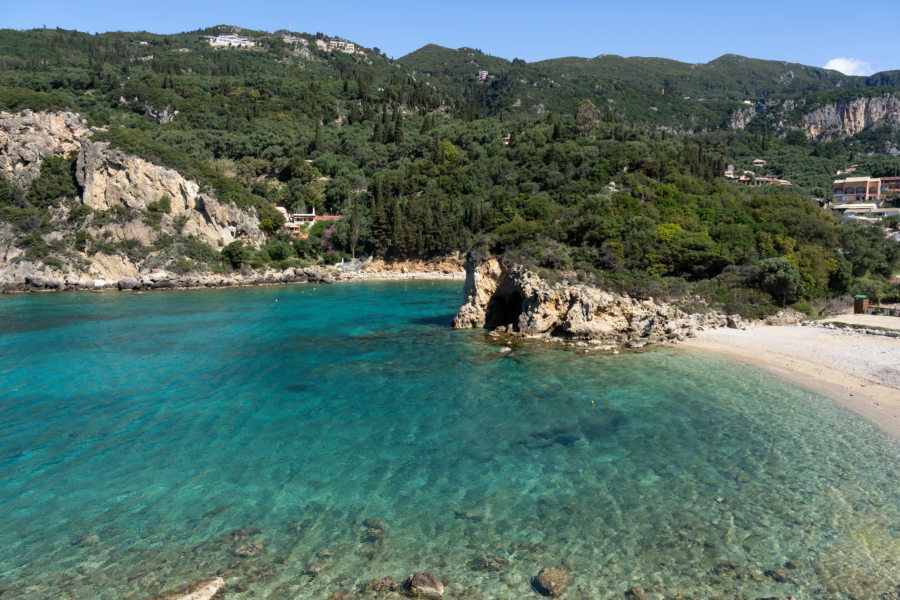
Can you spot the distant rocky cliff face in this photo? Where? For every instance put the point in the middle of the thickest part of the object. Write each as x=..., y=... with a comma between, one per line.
x=516, y=301
x=109, y=179
x=835, y=121
x=844, y=119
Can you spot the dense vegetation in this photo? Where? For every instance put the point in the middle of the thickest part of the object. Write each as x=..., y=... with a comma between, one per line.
x=413, y=155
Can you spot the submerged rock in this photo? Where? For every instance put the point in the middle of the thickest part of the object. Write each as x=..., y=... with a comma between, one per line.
x=552, y=581
x=86, y=539
x=779, y=575
x=382, y=585
x=636, y=592
x=489, y=562
x=249, y=549
x=376, y=524
x=424, y=585
x=199, y=589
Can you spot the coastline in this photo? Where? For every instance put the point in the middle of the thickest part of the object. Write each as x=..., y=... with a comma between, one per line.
x=447, y=269
x=861, y=372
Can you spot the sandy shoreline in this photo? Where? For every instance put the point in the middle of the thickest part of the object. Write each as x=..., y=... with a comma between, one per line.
x=859, y=371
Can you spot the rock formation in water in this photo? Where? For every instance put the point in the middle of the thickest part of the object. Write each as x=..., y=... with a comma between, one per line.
x=514, y=300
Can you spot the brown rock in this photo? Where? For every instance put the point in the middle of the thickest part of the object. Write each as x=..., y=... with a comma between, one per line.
x=248, y=550
x=552, y=581
x=376, y=524
x=489, y=563
x=383, y=585
x=636, y=592
x=424, y=585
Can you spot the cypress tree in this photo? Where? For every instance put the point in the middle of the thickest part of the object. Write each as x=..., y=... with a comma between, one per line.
x=319, y=144
x=398, y=128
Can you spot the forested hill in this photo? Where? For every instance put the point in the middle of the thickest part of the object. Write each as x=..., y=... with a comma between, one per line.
x=606, y=179
x=650, y=91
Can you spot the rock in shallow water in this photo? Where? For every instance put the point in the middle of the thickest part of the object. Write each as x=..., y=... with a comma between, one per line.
x=382, y=586
x=199, y=589
x=424, y=585
x=552, y=581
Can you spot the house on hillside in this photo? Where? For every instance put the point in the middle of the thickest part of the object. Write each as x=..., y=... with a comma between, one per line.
x=230, y=40
x=857, y=189
x=482, y=75
x=342, y=45
x=758, y=163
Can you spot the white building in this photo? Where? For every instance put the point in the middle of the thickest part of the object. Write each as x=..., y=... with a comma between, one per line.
x=342, y=45
x=231, y=39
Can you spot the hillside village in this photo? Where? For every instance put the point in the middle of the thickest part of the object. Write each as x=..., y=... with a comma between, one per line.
x=235, y=40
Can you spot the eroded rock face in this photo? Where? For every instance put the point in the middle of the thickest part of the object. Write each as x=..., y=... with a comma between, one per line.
x=27, y=137
x=517, y=301
x=109, y=179
x=112, y=178
x=844, y=119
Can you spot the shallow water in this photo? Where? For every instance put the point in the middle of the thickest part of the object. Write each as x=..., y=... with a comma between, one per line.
x=139, y=432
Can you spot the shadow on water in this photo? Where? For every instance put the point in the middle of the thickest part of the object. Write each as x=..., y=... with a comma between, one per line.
x=568, y=437
x=440, y=320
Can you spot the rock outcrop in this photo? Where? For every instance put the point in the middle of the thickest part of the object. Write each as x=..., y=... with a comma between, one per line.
x=110, y=180
x=518, y=302
x=27, y=137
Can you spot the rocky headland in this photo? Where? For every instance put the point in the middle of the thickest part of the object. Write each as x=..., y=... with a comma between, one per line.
x=512, y=300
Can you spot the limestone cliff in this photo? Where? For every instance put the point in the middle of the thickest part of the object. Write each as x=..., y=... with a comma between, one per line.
x=112, y=182
x=844, y=119
x=516, y=301
x=112, y=178
x=824, y=122
x=27, y=137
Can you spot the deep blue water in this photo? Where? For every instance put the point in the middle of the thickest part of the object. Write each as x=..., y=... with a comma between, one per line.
x=139, y=432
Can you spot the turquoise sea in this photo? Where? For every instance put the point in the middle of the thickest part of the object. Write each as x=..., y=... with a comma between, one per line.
x=303, y=440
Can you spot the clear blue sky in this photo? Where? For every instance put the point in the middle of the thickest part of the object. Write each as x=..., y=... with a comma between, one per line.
x=804, y=31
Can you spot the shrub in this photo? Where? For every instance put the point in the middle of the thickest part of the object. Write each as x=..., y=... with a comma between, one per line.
x=235, y=254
